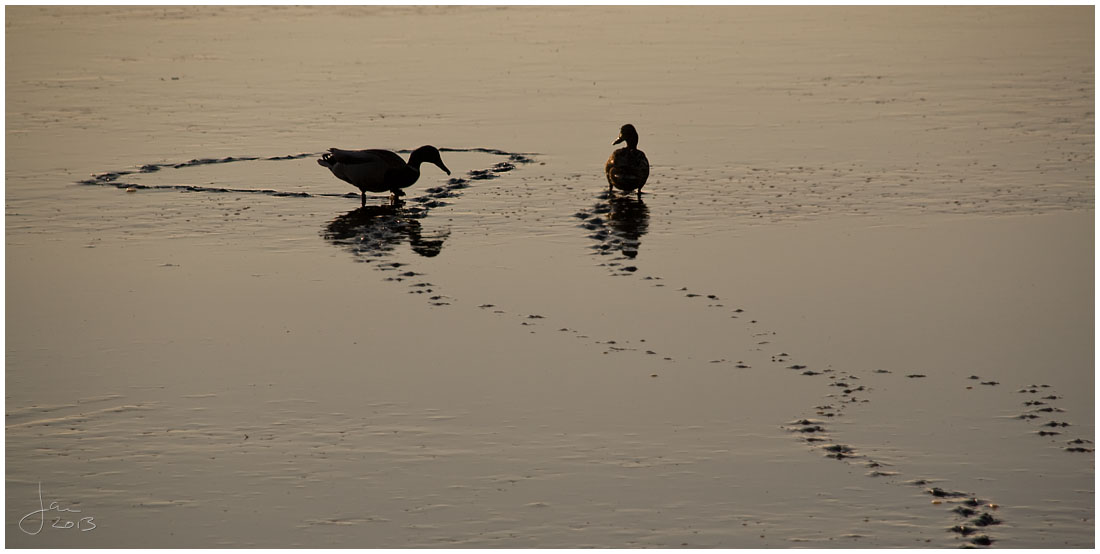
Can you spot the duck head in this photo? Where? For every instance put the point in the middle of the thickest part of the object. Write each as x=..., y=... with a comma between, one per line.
x=428, y=154
x=629, y=135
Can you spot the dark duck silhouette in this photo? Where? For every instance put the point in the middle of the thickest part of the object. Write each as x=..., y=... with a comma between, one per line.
x=379, y=170
x=627, y=168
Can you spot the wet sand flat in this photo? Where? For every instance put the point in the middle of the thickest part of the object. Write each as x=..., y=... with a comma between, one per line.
x=853, y=308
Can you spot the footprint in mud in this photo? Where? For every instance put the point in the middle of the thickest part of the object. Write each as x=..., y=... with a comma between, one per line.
x=968, y=519
x=966, y=506
x=1078, y=445
x=839, y=451
x=611, y=346
x=976, y=516
x=617, y=246
x=618, y=223
x=1045, y=407
x=976, y=524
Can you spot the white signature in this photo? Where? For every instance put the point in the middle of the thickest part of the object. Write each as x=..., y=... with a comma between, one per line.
x=57, y=522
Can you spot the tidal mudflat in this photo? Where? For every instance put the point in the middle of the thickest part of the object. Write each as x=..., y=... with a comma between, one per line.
x=852, y=308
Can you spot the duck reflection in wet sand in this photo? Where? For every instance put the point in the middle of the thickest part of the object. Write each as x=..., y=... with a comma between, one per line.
x=617, y=225
x=374, y=231
x=628, y=220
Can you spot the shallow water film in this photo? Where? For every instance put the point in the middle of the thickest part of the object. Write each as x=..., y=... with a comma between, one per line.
x=852, y=306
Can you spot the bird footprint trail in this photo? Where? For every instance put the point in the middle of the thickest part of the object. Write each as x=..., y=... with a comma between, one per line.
x=616, y=225
x=373, y=233
x=973, y=517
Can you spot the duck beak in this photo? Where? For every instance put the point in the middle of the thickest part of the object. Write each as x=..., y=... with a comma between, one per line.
x=618, y=140
x=443, y=167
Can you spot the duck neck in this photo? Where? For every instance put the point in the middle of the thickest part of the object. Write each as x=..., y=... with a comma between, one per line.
x=632, y=143
x=415, y=160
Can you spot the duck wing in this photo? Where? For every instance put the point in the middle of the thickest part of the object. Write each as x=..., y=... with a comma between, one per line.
x=369, y=170
x=350, y=157
x=627, y=168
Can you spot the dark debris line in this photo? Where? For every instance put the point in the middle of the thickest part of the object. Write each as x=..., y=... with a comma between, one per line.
x=370, y=233
x=112, y=178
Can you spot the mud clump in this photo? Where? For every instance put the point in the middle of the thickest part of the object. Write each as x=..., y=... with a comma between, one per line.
x=481, y=174
x=985, y=520
x=839, y=451
x=940, y=493
x=805, y=421
x=982, y=540
x=964, y=511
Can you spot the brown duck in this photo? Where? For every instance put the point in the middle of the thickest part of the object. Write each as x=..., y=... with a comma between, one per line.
x=379, y=170
x=627, y=168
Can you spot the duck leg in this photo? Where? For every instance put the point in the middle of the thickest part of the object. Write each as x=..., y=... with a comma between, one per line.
x=395, y=197
x=363, y=194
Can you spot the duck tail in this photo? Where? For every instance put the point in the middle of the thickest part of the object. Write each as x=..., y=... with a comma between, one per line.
x=326, y=160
